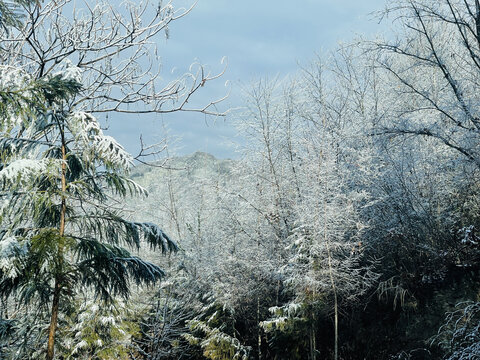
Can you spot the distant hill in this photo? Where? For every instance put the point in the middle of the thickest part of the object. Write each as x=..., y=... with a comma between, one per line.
x=181, y=171
x=178, y=188
x=196, y=164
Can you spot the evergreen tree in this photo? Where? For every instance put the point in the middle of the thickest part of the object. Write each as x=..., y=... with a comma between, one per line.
x=62, y=229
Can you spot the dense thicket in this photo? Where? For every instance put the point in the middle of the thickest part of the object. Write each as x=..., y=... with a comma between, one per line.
x=348, y=228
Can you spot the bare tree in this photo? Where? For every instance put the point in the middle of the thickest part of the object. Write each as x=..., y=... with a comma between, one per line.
x=435, y=67
x=116, y=49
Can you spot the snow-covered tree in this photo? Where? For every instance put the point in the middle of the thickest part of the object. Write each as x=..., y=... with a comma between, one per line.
x=99, y=330
x=433, y=67
x=207, y=330
x=319, y=155
x=62, y=176
x=62, y=224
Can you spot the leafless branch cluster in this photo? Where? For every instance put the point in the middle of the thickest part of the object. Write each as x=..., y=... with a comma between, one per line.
x=436, y=66
x=113, y=49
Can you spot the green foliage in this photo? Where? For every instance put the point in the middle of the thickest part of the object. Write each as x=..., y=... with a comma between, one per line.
x=209, y=330
x=6, y=330
x=215, y=343
x=98, y=331
x=26, y=335
x=10, y=13
x=61, y=179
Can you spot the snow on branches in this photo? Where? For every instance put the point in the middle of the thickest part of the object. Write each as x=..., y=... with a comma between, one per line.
x=22, y=171
x=95, y=144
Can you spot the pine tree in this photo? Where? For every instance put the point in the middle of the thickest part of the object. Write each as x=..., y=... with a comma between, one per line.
x=61, y=178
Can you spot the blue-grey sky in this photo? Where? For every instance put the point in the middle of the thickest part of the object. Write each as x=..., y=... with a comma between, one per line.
x=260, y=38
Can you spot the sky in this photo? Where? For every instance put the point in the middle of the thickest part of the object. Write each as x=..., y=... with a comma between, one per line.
x=259, y=39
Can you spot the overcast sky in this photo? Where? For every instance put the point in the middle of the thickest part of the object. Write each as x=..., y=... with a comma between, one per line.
x=260, y=38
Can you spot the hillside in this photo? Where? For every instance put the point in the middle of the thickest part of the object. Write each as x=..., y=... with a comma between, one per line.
x=181, y=169
x=174, y=187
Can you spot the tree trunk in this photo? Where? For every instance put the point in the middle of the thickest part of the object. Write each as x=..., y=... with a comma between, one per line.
x=58, y=286
x=4, y=309
x=334, y=290
x=332, y=279
x=314, y=339
x=336, y=325
x=335, y=304
x=53, y=322
x=313, y=350
x=259, y=330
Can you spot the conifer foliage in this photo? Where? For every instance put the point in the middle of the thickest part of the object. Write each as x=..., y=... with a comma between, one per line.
x=62, y=226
